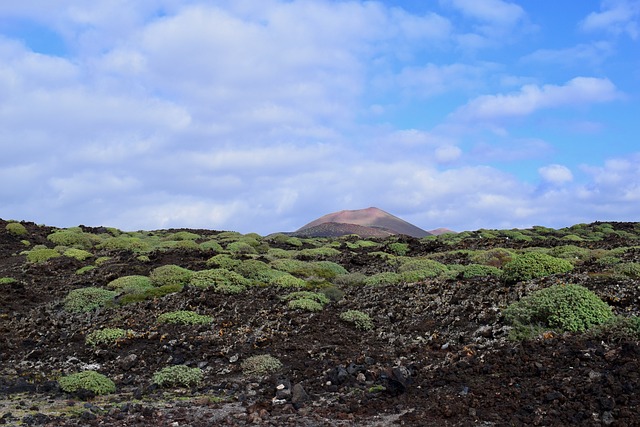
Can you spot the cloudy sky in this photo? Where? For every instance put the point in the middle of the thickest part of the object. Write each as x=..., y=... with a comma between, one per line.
x=261, y=115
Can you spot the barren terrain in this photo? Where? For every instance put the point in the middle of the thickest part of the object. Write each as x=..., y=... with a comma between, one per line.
x=438, y=354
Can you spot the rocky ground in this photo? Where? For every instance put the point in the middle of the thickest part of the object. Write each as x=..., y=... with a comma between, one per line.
x=438, y=355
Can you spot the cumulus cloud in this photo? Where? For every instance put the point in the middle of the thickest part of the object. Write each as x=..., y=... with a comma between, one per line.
x=531, y=98
x=556, y=174
x=576, y=56
x=617, y=17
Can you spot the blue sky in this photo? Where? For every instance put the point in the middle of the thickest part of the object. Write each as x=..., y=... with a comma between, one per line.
x=261, y=116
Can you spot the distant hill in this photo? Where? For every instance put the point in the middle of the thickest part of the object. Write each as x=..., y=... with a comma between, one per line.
x=370, y=222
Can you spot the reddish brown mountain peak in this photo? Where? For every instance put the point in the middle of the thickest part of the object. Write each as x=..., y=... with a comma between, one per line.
x=371, y=217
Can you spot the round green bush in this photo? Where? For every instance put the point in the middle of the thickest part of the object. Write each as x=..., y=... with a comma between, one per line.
x=217, y=277
x=315, y=296
x=170, y=275
x=184, y=317
x=72, y=238
x=87, y=380
x=79, y=254
x=572, y=308
x=41, y=255
x=478, y=270
x=429, y=267
x=130, y=284
x=178, y=376
x=86, y=299
x=305, y=304
x=286, y=280
x=16, y=229
x=358, y=318
x=386, y=278
x=532, y=265
x=263, y=364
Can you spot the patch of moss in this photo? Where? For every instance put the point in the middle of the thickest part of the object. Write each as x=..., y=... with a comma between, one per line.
x=84, y=269
x=305, y=304
x=7, y=280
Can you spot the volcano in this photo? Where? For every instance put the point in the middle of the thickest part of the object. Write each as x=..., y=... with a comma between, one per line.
x=370, y=222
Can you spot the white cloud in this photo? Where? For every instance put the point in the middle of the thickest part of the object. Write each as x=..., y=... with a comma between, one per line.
x=531, y=98
x=577, y=56
x=556, y=174
x=617, y=17
x=496, y=12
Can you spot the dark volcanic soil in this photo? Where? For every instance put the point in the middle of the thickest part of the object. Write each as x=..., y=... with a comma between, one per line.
x=437, y=356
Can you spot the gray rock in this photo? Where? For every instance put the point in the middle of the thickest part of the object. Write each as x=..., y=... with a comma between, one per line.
x=299, y=396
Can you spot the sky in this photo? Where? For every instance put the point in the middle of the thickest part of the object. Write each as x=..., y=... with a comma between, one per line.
x=260, y=116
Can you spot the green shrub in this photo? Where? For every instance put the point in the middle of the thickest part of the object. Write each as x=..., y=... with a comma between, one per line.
x=7, y=280
x=184, y=317
x=263, y=364
x=570, y=252
x=288, y=281
x=428, y=267
x=318, y=297
x=182, y=235
x=479, y=270
x=87, y=380
x=86, y=299
x=178, y=376
x=386, y=278
x=79, y=254
x=25, y=242
x=125, y=243
x=84, y=269
x=332, y=292
x=170, y=275
x=258, y=271
x=617, y=328
x=223, y=261
x=532, y=265
x=241, y=247
x=414, y=276
x=497, y=257
x=351, y=279
x=289, y=265
x=149, y=293
x=106, y=336
x=211, y=245
x=317, y=253
x=71, y=238
x=608, y=261
x=358, y=318
x=16, y=229
x=629, y=269
x=218, y=277
x=41, y=255
x=323, y=269
x=561, y=308
x=229, y=289
x=305, y=304
x=101, y=260
x=399, y=249
x=130, y=284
